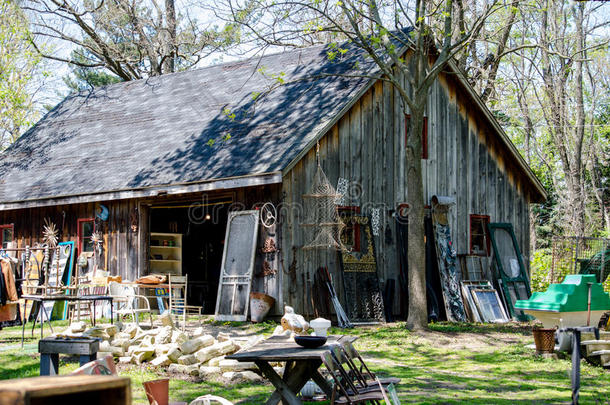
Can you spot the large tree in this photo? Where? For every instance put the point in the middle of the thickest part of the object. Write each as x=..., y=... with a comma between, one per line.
x=19, y=67
x=556, y=89
x=127, y=39
x=411, y=43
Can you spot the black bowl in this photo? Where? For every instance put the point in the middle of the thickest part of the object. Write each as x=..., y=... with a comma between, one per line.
x=310, y=342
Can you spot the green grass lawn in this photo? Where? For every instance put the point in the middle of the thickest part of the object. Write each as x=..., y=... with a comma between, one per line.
x=449, y=364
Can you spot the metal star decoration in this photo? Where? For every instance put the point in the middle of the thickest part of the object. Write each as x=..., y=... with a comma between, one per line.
x=50, y=233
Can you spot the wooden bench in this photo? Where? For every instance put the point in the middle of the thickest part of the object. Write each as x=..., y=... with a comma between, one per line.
x=50, y=348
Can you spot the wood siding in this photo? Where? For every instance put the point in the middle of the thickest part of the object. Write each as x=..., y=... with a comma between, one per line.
x=367, y=147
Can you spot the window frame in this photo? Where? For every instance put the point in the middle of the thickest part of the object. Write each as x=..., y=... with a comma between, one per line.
x=424, y=135
x=486, y=220
x=79, y=232
x=2, y=228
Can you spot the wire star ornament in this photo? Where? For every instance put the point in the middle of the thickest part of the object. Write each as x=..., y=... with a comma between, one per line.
x=50, y=233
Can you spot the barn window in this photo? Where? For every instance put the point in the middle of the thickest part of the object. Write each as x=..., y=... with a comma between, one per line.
x=6, y=235
x=424, y=135
x=479, y=235
x=86, y=227
x=350, y=236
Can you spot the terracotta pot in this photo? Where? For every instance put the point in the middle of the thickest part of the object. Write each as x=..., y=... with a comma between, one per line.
x=157, y=391
x=544, y=338
x=260, y=304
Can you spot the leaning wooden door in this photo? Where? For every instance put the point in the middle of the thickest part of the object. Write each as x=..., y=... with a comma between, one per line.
x=237, y=266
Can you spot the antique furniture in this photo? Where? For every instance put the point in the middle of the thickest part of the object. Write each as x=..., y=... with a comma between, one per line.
x=127, y=301
x=49, y=349
x=301, y=365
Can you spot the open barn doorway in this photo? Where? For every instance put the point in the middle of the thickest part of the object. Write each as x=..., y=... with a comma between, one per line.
x=187, y=238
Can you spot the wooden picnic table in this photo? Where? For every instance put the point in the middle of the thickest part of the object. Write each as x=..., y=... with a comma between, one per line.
x=301, y=365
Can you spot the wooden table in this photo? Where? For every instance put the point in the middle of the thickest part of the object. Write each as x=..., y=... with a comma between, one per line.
x=77, y=389
x=43, y=313
x=301, y=365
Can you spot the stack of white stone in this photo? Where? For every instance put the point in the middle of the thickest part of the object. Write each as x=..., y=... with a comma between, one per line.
x=195, y=354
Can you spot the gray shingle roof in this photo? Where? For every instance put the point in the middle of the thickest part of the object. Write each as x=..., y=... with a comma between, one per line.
x=156, y=131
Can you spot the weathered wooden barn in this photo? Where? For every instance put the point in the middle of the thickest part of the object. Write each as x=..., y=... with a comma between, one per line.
x=173, y=154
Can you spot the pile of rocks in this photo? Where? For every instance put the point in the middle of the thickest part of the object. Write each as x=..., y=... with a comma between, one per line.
x=194, y=354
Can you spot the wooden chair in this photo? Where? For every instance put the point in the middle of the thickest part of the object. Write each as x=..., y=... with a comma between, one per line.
x=344, y=391
x=178, y=287
x=363, y=372
x=127, y=300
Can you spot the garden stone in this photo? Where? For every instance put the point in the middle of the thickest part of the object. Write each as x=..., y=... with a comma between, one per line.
x=251, y=376
x=97, y=332
x=207, y=353
x=111, y=330
x=166, y=319
x=223, y=336
x=227, y=347
x=187, y=359
x=207, y=372
x=78, y=326
x=101, y=355
x=173, y=353
x=124, y=343
x=131, y=330
x=123, y=335
x=234, y=365
x=191, y=346
x=141, y=356
x=215, y=361
x=164, y=336
x=148, y=341
x=177, y=368
x=161, y=361
x=239, y=376
x=179, y=337
x=161, y=350
x=192, y=370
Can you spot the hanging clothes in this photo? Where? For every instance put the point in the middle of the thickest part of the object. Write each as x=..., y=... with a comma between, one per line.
x=9, y=281
x=3, y=292
x=9, y=309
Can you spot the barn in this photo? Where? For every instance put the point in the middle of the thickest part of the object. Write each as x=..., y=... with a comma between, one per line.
x=155, y=166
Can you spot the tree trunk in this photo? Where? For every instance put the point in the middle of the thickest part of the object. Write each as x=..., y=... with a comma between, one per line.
x=170, y=55
x=418, y=314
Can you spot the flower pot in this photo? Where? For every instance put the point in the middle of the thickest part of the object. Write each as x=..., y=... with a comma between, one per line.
x=157, y=391
x=544, y=338
x=260, y=304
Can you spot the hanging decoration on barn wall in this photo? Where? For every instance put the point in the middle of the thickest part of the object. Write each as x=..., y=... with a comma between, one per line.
x=102, y=212
x=446, y=256
x=322, y=223
x=50, y=233
x=133, y=220
x=375, y=220
x=363, y=299
x=342, y=185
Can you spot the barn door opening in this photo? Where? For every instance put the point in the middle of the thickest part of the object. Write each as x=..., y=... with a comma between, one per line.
x=187, y=238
